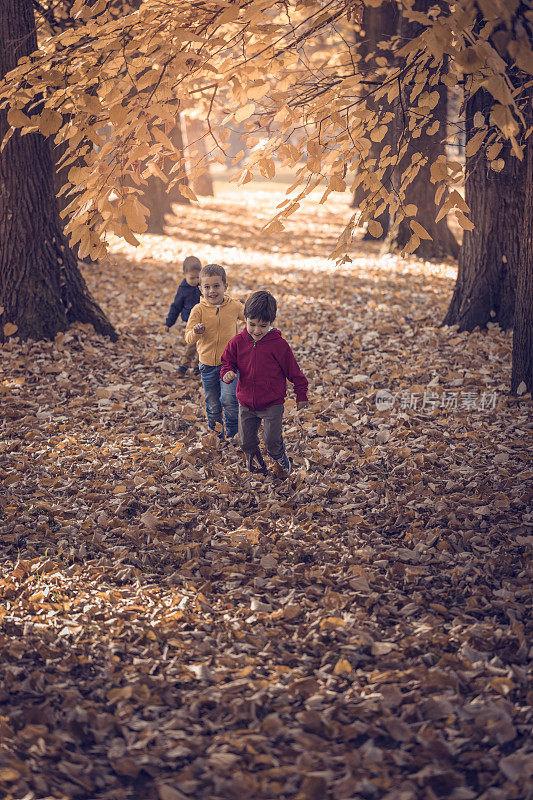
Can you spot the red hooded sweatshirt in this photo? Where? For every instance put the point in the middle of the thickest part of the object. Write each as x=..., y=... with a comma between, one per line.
x=263, y=368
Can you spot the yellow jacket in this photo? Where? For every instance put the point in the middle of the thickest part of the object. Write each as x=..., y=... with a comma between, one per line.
x=220, y=326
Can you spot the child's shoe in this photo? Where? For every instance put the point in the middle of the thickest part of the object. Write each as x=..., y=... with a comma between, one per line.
x=283, y=465
x=251, y=457
x=182, y=371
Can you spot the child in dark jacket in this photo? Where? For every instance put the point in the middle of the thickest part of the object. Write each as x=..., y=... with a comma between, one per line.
x=264, y=362
x=187, y=296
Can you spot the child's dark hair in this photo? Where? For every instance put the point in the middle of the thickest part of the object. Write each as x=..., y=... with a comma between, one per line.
x=261, y=305
x=192, y=264
x=210, y=270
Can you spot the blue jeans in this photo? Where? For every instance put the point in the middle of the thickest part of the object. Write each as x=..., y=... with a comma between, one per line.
x=218, y=396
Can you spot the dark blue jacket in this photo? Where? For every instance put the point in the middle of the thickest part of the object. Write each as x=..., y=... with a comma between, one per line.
x=186, y=298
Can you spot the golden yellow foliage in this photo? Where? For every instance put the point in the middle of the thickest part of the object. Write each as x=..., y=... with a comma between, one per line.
x=289, y=74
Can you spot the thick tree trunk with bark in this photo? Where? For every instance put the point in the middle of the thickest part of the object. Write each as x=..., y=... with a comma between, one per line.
x=41, y=288
x=157, y=197
x=522, y=371
x=421, y=192
x=378, y=24
x=488, y=261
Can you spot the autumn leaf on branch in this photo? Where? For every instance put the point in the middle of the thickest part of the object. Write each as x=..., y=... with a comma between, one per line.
x=286, y=72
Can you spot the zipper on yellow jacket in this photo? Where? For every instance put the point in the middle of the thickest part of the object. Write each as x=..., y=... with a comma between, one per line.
x=218, y=349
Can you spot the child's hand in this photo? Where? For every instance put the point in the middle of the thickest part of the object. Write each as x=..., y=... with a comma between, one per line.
x=229, y=377
x=302, y=404
x=199, y=329
x=167, y=329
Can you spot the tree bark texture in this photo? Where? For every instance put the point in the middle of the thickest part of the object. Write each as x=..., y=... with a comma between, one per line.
x=157, y=198
x=522, y=370
x=378, y=24
x=41, y=288
x=488, y=260
x=421, y=192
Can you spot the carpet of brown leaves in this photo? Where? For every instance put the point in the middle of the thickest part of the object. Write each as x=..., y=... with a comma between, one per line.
x=173, y=628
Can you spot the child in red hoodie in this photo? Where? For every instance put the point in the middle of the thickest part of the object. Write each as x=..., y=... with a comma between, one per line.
x=264, y=361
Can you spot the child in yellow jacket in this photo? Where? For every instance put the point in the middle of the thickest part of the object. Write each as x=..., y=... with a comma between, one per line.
x=211, y=324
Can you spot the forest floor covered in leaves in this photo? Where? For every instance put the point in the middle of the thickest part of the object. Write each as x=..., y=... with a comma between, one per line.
x=173, y=628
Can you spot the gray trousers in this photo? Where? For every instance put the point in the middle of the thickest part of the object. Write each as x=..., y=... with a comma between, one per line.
x=249, y=423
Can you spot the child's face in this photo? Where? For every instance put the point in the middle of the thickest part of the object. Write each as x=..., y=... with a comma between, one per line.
x=213, y=289
x=192, y=278
x=257, y=328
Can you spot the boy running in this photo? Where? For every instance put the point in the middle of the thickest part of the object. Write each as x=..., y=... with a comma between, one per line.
x=212, y=323
x=187, y=296
x=264, y=361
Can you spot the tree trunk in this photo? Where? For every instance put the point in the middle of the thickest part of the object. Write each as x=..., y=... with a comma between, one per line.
x=488, y=261
x=157, y=197
x=421, y=192
x=522, y=371
x=41, y=288
x=195, y=144
x=378, y=24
